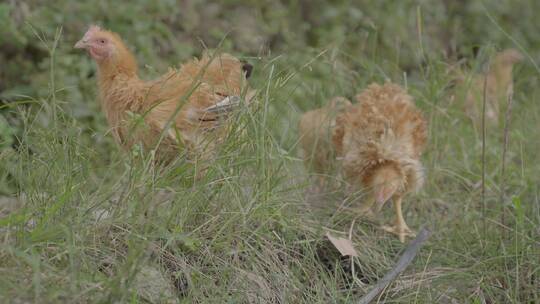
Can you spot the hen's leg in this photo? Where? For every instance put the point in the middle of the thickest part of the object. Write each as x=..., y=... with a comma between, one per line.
x=400, y=228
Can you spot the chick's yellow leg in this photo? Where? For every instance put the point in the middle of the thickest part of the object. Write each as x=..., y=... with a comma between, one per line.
x=400, y=228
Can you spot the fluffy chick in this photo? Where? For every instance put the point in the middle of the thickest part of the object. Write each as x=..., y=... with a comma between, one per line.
x=499, y=84
x=316, y=129
x=380, y=140
x=185, y=107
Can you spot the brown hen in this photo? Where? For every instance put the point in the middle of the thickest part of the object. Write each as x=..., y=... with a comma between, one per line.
x=186, y=107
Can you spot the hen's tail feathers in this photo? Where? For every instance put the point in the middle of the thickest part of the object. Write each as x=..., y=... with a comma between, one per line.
x=247, y=68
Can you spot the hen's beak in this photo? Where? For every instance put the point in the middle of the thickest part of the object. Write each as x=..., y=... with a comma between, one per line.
x=81, y=44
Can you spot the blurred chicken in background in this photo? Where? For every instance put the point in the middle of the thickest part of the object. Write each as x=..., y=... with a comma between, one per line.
x=499, y=85
x=316, y=128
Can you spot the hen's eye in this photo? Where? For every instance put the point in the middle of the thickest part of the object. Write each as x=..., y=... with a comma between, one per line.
x=102, y=41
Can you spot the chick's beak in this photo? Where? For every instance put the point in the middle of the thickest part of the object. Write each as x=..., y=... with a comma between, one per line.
x=81, y=44
x=381, y=198
x=384, y=194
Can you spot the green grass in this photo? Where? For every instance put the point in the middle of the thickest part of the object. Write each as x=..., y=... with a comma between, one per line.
x=83, y=221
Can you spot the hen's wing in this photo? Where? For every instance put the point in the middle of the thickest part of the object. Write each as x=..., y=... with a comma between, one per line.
x=194, y=104
x=192, y=113
x=225, y=106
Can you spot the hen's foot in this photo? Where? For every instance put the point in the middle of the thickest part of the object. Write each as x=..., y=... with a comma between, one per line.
x=402, y=231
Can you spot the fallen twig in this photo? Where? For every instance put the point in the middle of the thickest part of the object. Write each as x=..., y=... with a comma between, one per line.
x=404, y=261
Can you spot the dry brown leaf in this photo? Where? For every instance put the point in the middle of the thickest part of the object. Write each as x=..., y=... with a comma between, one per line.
x=344, y=246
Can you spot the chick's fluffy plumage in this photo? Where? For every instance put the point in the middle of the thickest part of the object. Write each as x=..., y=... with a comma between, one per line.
x=380, y=140
x=383, y=128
